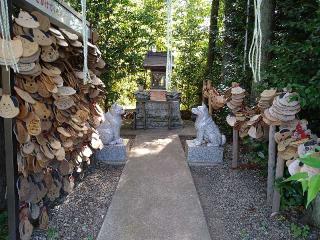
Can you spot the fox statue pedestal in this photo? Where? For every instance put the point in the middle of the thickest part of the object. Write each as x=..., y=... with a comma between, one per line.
x=113, y=154
x=207, y=148
x=114, y=149
x=203, y=154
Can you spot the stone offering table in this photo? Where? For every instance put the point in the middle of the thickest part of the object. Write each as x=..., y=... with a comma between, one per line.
x=152, y=114
x=203, y=154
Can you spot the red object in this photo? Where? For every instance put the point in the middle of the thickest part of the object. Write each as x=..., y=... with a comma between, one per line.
x=301, y=132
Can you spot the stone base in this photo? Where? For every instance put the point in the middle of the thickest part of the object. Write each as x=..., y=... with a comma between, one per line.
x=203, y=155
x=113, y=154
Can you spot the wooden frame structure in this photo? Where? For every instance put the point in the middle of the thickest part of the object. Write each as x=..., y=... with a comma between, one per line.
x=275, y=165
x=48, y=8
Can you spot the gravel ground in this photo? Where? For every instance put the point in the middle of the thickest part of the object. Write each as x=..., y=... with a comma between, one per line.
x=234, y=203
x=80, y=215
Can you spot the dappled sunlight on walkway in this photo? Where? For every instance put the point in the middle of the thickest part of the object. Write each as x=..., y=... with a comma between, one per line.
x=156, y=197
x=150, y=148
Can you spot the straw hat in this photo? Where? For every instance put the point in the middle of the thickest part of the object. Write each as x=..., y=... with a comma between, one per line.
x=41, y=37
x=17, y=49
x=27, y=20
x=31, y=59
x=287, y=99
x=282, y=135
x=50, y=70
x=237, y=91
x=69, y=35
x=43, y=21
x=62, y=43
x=76, y=44
x=280, y=116
x=30, y=47
x=24, y=95
x=256, y=132
x=268, y=94
x=254, y=119
x=64, y=103
x=9, y=106
x=49, y=54
x=289, y=153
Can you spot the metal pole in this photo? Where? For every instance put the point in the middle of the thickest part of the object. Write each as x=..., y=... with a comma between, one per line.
x=7, y=79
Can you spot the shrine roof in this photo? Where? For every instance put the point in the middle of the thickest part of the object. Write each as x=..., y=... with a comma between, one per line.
x=155, y=60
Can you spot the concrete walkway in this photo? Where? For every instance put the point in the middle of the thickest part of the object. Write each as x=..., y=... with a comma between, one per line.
x=156, y=198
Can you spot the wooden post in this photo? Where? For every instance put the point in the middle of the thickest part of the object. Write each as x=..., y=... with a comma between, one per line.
x=10, y=148
x=210, y=107
x=235, y=148
x=271, y=163
x=204, y=84
x=11, y=162
x=276, y=194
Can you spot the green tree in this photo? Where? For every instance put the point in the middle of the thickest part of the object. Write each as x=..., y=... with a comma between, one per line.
x=296, y=54
x=191, y=44
x=213, y=38
x=127, y=30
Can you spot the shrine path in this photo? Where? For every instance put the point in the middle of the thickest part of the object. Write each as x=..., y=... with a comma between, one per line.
x=156, y=198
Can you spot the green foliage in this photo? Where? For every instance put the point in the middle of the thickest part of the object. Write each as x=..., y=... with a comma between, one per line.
x=127, y=30
x=311, y=159
x=257, y=151
x=296, y=51
x=190, y=43
x=299, y=232
x=291, y=193
x=310, y=184
x=52, y=234
x=3, y=226
x=232, y=45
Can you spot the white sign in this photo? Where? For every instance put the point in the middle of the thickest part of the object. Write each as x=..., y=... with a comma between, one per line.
x=59, y=12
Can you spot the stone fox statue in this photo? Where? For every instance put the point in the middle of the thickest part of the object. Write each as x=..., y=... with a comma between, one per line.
x=207, y=131
x=110, y=129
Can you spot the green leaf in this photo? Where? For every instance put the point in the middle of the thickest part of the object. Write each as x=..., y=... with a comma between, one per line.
x=313, y=188
x=310, y=161
x=297, y=177
x=304, y=183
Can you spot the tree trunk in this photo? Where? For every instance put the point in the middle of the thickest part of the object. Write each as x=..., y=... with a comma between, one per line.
x=267, y=16
x=2, y=169
x=213, y=34
x=229, y=64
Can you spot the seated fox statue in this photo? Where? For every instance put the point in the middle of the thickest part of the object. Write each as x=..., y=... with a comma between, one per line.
x=110, y=129
x=207, y=131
